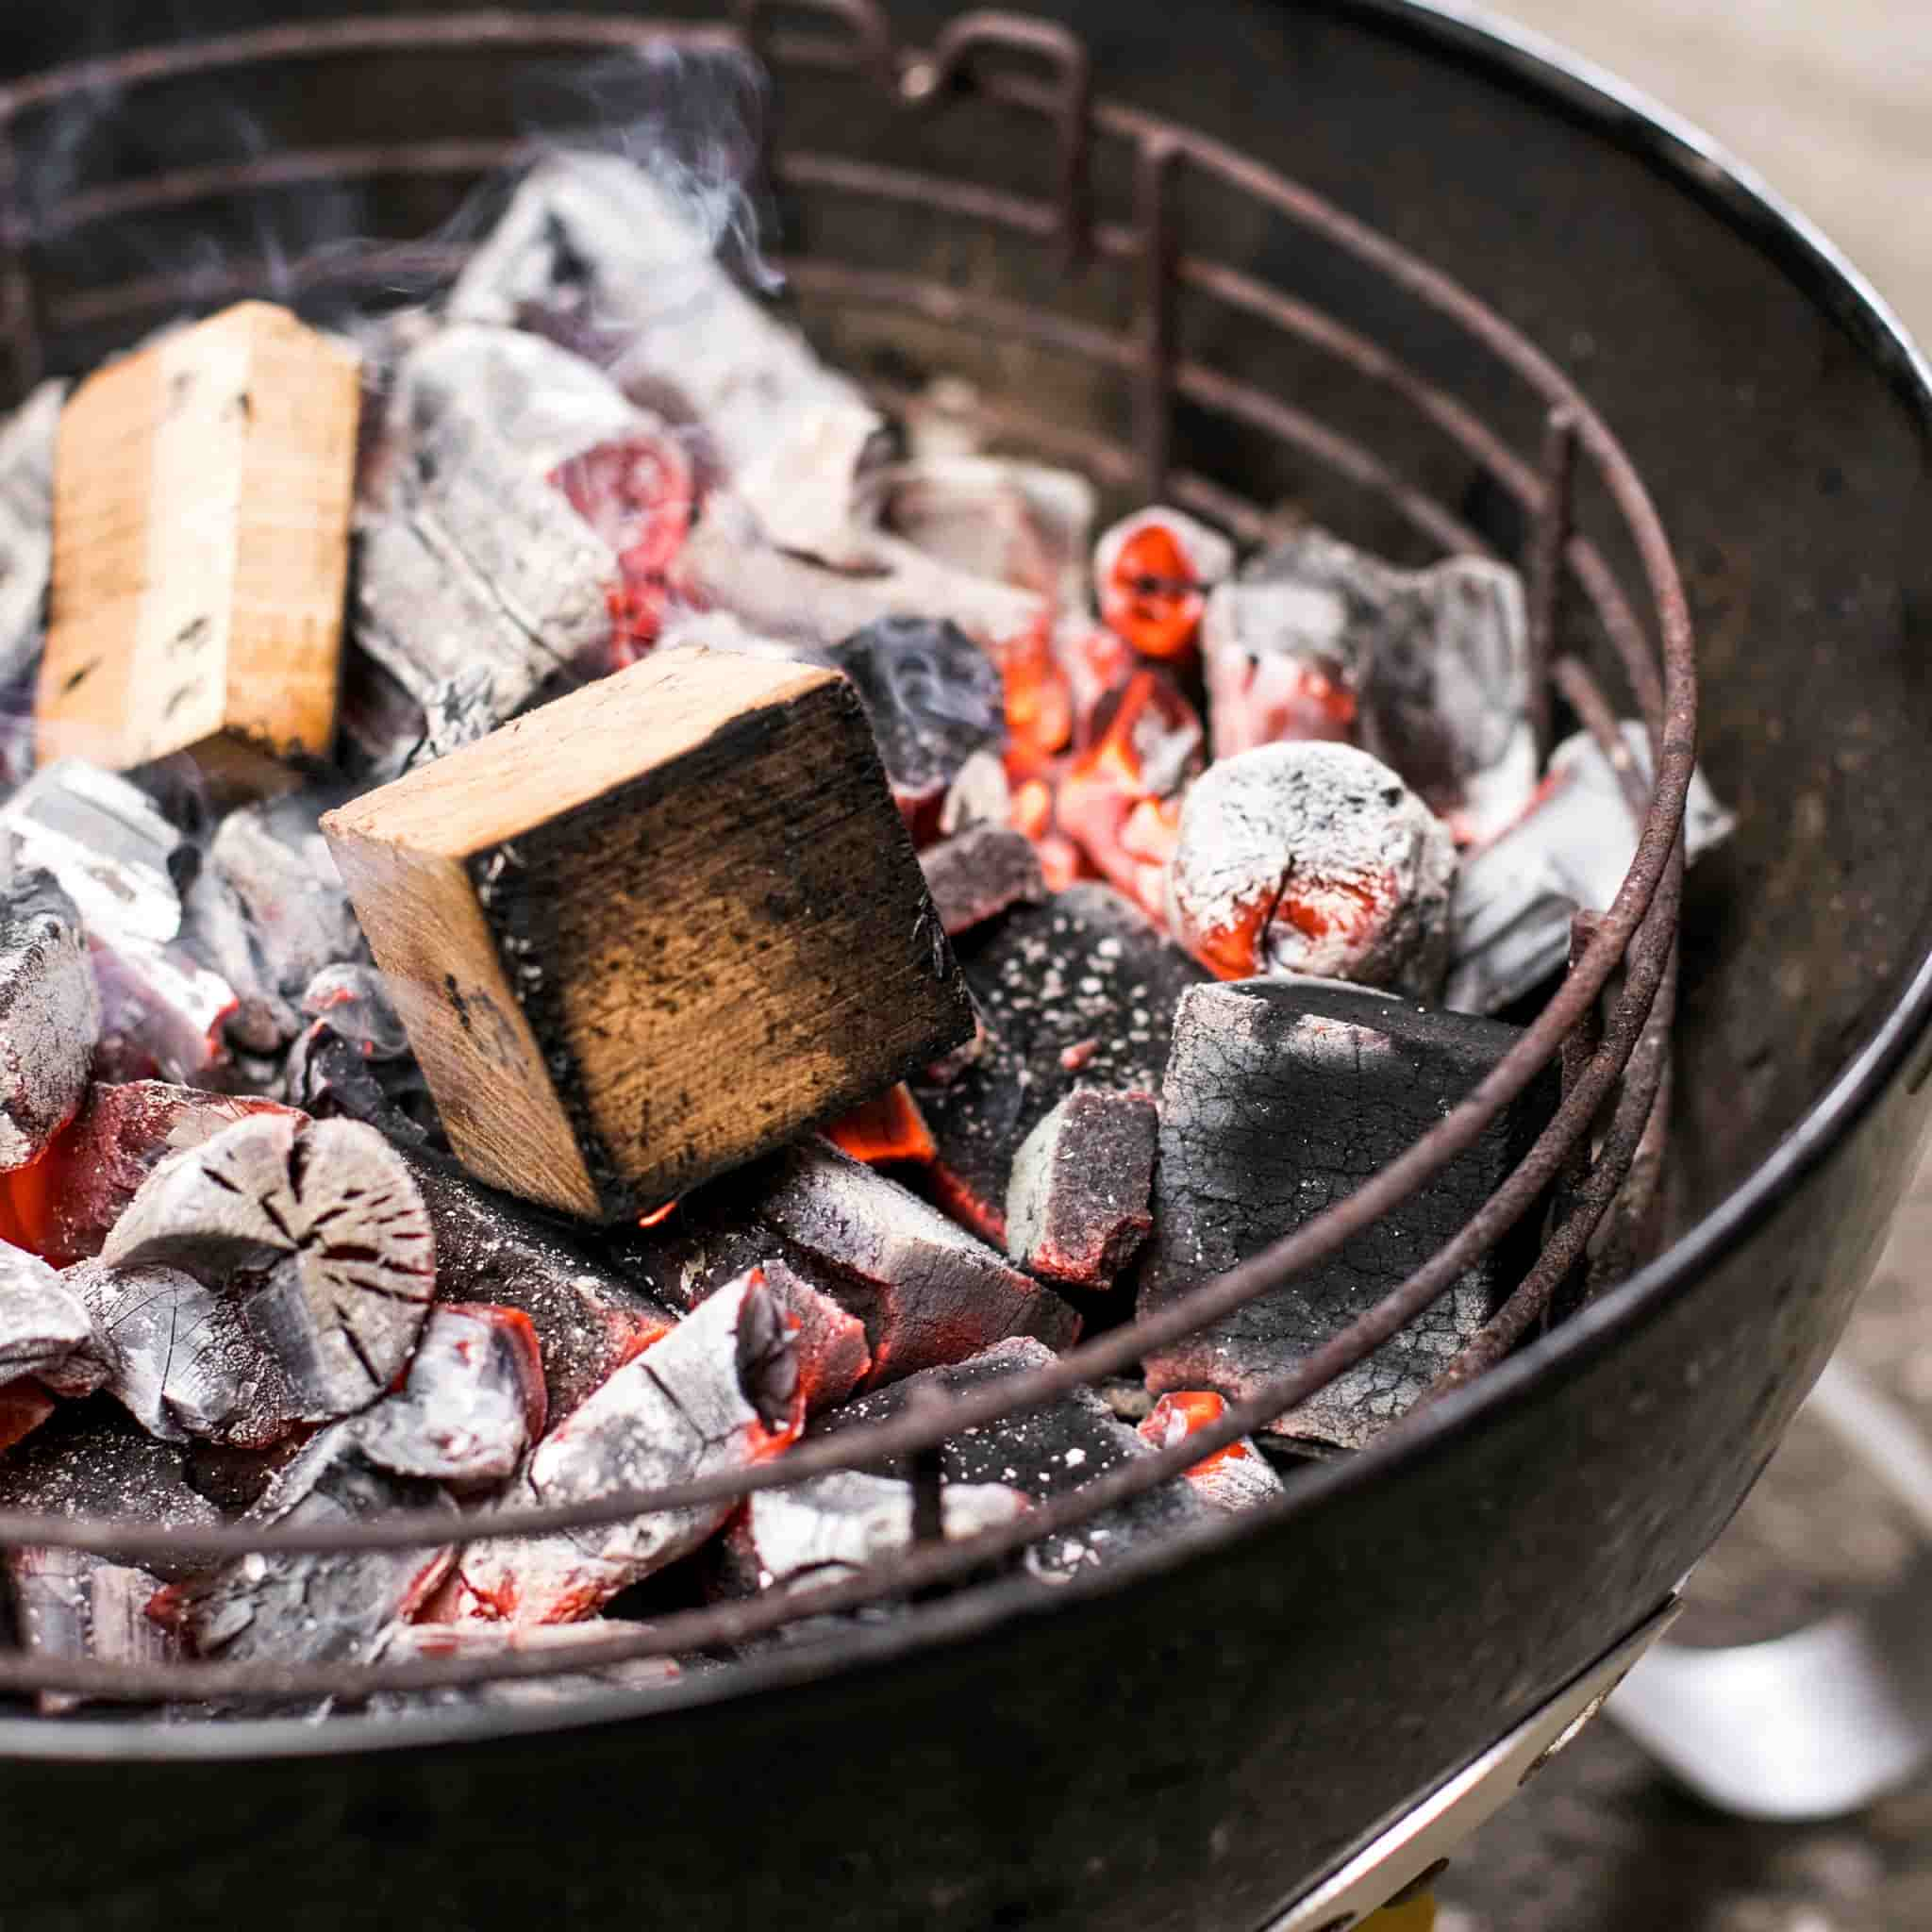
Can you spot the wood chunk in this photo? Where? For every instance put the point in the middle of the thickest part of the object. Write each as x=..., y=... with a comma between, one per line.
x=1077, y=1203
x=980, y=872
x=692, y=866
x=50, y=1015
x=1236, y=1477
x=69, y=1605
x=1077, y=991
x=719, y=1392
x=323, y=1215
x=26, y=528
x=45, y=1328
x=1280, y=1098
x=201, y=529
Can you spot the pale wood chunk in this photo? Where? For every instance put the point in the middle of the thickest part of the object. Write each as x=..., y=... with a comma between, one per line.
x=202, y=491
x=653, y=929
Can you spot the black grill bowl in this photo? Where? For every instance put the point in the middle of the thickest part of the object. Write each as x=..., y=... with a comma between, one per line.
x=1183, y=1740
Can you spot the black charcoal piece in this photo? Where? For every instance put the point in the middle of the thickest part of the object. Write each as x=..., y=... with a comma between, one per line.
x=46, y=1331
x=1083, y=1180
x=980, y=872
x=1078, y=991
x=1279, y=1099
x=50, y=1013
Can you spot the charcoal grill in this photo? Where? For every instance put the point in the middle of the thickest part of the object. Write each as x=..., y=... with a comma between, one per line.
x=1245, y=301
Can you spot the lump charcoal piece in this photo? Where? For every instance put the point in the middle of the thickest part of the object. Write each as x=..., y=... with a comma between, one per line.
x=90, y=1459
x=1510, y=913
x=829, y=1527
x=1042, y=1452
x=1077, y=991
x=588, y=1321
x=933, y=698
x=64, y=1206
x=1082, y=1181
x=182, y=1360
x=285, y=1607
x=594, y=250
x=982, y=795
x=160, y=1014
x=46, y=1331
x=1236, y=1477
x=24, y=1405
x=69, y=1605
x=355, y=1004
x=980, y=872
x=1313, y=860
x=1280, y=662
x=326, y=1077
x=472, y=1403
x=50, y=1015
x=833, y=1355
x=419, y=1643
x=1152, y=573
x=1280, y=1099
x=323, y=1215
x=719, y=1392
x=26, y=528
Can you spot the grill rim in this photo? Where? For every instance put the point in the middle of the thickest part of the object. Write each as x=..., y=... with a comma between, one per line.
x=1696, y=165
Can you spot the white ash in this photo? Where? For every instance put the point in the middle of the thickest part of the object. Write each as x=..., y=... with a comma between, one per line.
x=26, y=527
x=322, y=1227
x=1325, y=834
x=980, y=794
x=45, y=1329
x=1210, y=555
x=593, y=243
x=354, y=1001
x=50, y=1014
x=1514, y=898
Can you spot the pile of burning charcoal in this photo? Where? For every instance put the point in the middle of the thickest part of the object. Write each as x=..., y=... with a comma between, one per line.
x=1229, y=866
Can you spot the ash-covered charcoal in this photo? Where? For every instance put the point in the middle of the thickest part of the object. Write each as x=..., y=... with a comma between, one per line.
x=1510, y=913
x=719, y=1392
x=92, y=1459
x=1152, y=573
x=319, y=1228
x=589, y=1322
x=181, y=1359
x=46, y=1331
x=420, y=1642
x=26, y=528
x=829, y=1527
x=354, y=1001
x=927, y=1290
x=1078, y=1202
x=472, y=1403
x=980, y=872
x=268, y=913
x=1079, y=992
x=286, y=1608
x=1280, y=1099
x=1236, y=1477
x=980, y=794
x=1313, y=860
x=1280, y=662
x=933, y=697
x=64, y=1206
x=594, y=251
x=1043, y=1452
x=50, y=1014
x=830, y=1345
x=69, y=1605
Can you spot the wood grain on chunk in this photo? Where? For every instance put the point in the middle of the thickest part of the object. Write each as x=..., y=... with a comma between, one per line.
x=201, y=530
x=589, y=916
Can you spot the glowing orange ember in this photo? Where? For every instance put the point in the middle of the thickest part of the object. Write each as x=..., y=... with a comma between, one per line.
x=888, y=1129
x=1151, y=597
x=637, y=496
x=1319, y=909
x=657, y=1216
x=1040, y=703
x=1177, y=1417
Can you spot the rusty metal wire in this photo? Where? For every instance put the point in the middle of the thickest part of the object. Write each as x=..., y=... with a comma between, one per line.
x=1628, y=1057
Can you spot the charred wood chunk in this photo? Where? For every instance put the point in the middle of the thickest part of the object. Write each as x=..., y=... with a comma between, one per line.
x=719, y=1392
x=1078, y=1202
x=472, y=1403
x=285, y=1607
x=827, y=1529
x=1511, y=911
x=26, y=528
x=1280, y=1099
x=1043, y=1452
x=980, y=872
x=1077, y=991
x=65, y=1204
x=69, y=1605
x=183, y=1360
x=320, y=1230
x=201, y=532
x=46, y=1331
x=1152, y=573
x=934, y=699
x=50, y=1016
x=419, y=1643
x=692, y=865
x=90, y=1459
x=1236, y=1477
x=1313, y=858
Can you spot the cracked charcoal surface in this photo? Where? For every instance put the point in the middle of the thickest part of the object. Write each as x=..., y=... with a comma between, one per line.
x=1279, y=1100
